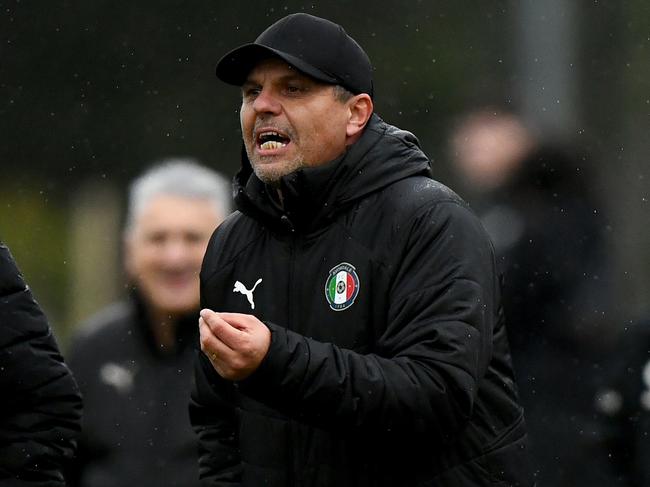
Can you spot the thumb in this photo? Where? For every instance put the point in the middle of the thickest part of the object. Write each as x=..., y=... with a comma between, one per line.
x=208, y=315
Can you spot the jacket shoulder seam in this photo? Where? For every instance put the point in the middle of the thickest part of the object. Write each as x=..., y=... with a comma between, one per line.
x=418, y=211
x=105, y=319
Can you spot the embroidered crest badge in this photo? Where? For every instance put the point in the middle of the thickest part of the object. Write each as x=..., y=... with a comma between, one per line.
x=342, y=286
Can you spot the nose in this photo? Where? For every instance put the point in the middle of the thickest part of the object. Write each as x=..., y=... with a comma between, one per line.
x=176, y=254
x=267, y=102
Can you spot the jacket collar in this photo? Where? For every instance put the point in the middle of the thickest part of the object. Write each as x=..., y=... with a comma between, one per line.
x=312, y=196
x=186, y=329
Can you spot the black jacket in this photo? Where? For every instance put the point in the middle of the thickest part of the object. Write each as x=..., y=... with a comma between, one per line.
x=136, y=429
x=547, y=230
x=623, y=406
x=403, y=376
x=40, y=410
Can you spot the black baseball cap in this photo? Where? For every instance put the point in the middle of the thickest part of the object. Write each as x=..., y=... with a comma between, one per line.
x=312, y=45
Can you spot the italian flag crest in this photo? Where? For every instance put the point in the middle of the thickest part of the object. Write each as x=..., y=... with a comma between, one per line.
x=342, y=286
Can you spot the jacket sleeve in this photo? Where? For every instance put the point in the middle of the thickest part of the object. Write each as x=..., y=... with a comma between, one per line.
x=425, y=371
x=214, y=421
x=83, y=369
x=41, y=409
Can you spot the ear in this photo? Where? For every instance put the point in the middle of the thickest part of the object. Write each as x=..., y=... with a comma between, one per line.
x=360, y=109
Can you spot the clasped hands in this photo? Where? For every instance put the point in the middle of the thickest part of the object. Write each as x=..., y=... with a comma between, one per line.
x=235, y=343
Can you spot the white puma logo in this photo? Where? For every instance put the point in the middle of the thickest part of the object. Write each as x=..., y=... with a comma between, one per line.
x=240, y=288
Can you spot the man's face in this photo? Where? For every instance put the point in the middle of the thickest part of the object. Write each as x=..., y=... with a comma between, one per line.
x=489, y=150
x=289, y=120
x=164, y=250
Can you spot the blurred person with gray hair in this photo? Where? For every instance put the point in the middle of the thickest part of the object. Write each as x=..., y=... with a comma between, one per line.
x=134, y=359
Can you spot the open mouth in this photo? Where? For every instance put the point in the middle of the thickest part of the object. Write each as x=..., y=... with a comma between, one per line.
x=272, y=139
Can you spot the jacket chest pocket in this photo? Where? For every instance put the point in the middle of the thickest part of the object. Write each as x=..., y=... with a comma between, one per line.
x=341, y=304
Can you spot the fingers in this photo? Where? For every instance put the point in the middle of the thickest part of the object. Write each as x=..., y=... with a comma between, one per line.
x=210, y=344
x=235, y=343
x=220, y=355
x=239, y=320
x=222, y=329
x=209, y=339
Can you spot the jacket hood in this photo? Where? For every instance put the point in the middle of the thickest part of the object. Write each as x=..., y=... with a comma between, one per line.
x=383, y=155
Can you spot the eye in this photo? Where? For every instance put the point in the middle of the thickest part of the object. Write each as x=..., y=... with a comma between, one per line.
x=251, y=91
x=156, y=238
x=194, y=237
x=295, y=88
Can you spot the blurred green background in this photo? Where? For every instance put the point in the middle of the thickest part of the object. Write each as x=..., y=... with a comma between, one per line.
x=95, y=91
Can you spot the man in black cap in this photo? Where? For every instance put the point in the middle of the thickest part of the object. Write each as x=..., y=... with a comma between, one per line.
x=352, y=332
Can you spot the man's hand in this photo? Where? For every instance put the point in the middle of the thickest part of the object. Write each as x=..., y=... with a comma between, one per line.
x=235, y=343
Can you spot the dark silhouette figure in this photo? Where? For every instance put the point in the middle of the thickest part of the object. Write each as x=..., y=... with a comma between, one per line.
x=535, y=201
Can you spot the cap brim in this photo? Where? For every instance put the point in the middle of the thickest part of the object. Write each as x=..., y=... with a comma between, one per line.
x=234, y=67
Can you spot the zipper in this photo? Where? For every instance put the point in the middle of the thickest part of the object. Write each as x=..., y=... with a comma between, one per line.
x=288, y=224
x=293, y=458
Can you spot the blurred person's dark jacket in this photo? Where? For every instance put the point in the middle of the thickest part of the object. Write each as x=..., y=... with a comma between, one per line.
x=136, y=430
x=40, y=410
x=624, y=407
x=549, y=237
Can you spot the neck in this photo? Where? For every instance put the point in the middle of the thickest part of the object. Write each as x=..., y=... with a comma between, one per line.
x=163, y=329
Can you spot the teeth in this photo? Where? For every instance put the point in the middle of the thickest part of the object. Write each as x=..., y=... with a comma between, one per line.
x=272, y=144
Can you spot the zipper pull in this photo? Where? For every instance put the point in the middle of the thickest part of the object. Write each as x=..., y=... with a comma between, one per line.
x=287, y=224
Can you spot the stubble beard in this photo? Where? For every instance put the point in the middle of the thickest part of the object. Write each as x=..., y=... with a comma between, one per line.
x=271, y=173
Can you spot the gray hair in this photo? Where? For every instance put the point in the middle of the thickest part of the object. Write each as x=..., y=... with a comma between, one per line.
x=342, y=94
x=178, y=177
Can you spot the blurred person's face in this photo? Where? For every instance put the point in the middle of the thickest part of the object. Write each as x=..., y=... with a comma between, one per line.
x=489, y=151
x=164, y=250
x=290, y=121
